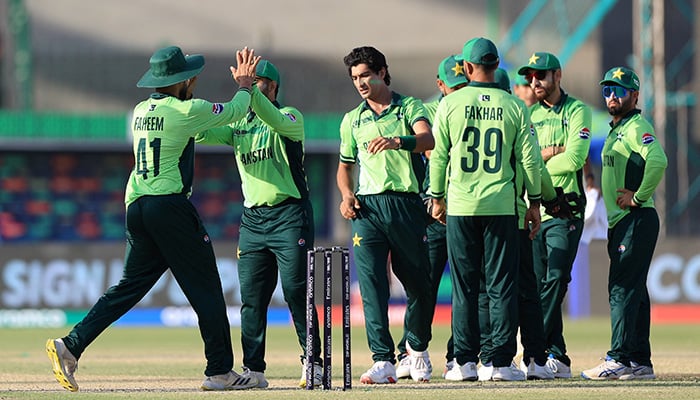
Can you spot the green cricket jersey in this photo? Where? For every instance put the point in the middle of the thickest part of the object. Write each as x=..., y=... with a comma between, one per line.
x=632, y=159
x=481, y=132
x=163, y=129
x=567, y=123
x=392, y=170
x=269, y=149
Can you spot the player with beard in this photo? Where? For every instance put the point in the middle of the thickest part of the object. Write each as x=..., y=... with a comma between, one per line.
x=563, y=131
x=163, y=229
x=633, y=165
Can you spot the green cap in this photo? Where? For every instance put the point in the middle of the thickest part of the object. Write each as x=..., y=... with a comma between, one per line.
x=519, y=80
x=501, y=77
x=266, y=69
x=169, y=66
x=542, y=61
x=479, y=50
x=621, y=76
x=451, y=72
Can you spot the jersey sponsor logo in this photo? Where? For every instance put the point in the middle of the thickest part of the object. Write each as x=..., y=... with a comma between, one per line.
x=291, y=117
x=301, y=242
x=151, y=107
x=532, y=130
x=621, y=248
x=206, y=239
x=484, y=97
x=647, y=138
x=584, y=133
x=217, y=108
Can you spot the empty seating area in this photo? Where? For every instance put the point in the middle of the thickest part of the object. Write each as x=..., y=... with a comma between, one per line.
x=79, y=196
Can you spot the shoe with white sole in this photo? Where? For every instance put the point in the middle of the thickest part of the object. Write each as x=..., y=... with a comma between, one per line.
x=259, y=376
x=485, y=372
x=229, y=381
x=448, y=366
x=421, y=367
x=534, y=371
x=403, y=368
x=63, y=362
x=465, y=372
x=318, y=374
x=607, y=370
x=637, y=371
x=380, y=373
x=559, y=369
x=509, y=373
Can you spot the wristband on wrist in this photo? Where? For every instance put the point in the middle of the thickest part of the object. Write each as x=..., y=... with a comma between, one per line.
x=407, y=143
x=636, y=200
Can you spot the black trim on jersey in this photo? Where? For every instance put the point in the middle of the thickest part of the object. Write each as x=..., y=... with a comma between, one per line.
x=186, y=166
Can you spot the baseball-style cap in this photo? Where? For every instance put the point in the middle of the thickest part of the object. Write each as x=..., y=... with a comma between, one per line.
x=479, y=50
x=268, y=70
x=621, y=76
x=502, y=79
x=542, y=61
x=451, y=72
x=169, y=66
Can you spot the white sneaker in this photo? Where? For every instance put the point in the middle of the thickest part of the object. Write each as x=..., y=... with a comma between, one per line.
x=229, y=381
x=637, y=371
x=559, y=369
x=609, y=369
x=318, y=375
x=509, y=373
x=381, y=372
x=485, y=372
x=534, y=371
x=64, y=363
x=403, y=368
x=259, y=376
x=458, y=373
x=448, y=366
x=421, y=368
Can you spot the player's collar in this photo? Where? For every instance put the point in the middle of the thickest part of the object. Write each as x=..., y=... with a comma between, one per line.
x=560, y=104
x=626, y=118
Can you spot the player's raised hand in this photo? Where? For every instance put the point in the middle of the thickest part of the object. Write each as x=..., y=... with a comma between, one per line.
x=244, y=72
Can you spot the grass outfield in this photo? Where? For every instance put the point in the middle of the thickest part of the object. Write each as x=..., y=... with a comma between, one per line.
x=167, y=363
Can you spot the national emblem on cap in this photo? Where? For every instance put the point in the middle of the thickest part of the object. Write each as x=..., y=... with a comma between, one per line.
x=451, y=72
x=621, y=76
x=542, y=61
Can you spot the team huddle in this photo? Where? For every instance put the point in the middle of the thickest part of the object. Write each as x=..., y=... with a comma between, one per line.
x=487, y=181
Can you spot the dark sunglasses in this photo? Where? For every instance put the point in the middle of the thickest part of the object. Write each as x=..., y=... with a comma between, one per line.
x=539, y=74
x=618, y=91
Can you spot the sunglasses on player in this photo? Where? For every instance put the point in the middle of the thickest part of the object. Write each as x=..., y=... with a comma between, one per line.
x=618, y=91
x=538, y=74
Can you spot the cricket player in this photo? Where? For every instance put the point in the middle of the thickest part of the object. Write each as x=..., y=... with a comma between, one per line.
x=480, y=133
x=633, y=165
x=163, y=229
x=277, y=225
x=563, y=126
x=385, y=135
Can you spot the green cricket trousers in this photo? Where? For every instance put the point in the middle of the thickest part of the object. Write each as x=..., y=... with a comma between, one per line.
x=554, y=251
x=273, y=240
x=392, y=222
x=165, y=232
x=631, y=244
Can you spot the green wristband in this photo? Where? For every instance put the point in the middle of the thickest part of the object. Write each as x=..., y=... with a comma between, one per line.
x=408, y=143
